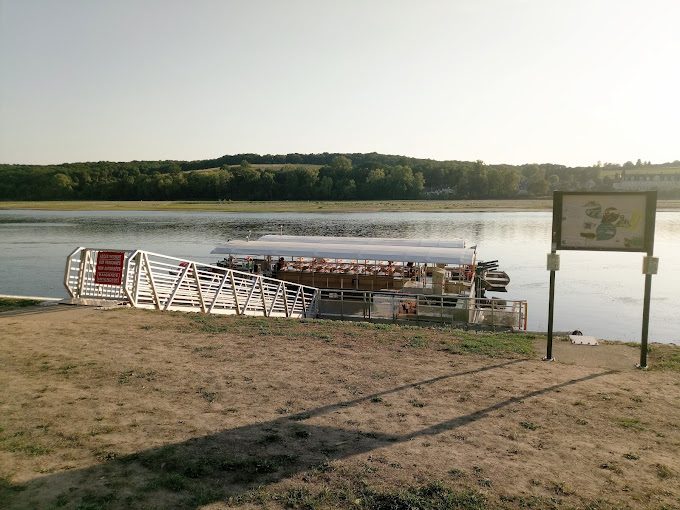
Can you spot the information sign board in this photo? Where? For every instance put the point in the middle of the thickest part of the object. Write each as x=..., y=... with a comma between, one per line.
x=604, y=221
x=109, y=269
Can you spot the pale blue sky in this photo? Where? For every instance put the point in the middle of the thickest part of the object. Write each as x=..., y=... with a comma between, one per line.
x=505, y=81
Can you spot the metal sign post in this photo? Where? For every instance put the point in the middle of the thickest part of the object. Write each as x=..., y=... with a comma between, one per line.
x=607, y=221
x=649, y=267
x=553, y=265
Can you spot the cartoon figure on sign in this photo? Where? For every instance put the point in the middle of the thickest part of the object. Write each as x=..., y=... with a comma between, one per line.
x=594, y=211
x=607, y=229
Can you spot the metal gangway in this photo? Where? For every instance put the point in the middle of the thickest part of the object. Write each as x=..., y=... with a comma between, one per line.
x=159, y=282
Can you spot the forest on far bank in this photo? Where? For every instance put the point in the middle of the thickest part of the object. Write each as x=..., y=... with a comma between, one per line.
x=326, y=176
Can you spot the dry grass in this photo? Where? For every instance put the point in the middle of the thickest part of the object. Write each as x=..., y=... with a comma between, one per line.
x=289, y=206
x=133, y=409
x=308, y=206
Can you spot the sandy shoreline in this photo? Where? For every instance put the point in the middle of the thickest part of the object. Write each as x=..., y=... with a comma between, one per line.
x=330, y=206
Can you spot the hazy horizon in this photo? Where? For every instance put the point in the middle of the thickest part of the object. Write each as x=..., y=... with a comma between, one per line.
x=621, y=163
x=513, y=82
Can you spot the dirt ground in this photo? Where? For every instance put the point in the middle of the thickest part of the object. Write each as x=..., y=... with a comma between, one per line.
x=132, y=409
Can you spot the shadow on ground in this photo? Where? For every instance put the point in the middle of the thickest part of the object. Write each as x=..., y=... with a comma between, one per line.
x=227, y=464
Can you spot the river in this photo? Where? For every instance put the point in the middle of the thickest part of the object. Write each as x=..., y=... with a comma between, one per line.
x=598, y=293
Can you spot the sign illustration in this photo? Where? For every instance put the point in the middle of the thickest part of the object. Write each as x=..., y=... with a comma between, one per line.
x=606, y=221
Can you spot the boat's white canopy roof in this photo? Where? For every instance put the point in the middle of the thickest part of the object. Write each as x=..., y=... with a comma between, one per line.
x=421, y=254
x=366, y=241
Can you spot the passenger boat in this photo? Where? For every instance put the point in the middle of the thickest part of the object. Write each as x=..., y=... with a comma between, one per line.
x=423, y=266
x=393, y=279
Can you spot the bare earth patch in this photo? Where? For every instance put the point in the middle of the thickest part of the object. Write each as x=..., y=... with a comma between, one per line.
x=131, y=409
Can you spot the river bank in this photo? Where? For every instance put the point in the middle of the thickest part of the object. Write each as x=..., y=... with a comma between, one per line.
x=311, y=206
x=128, y=408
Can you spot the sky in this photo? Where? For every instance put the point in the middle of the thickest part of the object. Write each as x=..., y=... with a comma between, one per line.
x=503, y=81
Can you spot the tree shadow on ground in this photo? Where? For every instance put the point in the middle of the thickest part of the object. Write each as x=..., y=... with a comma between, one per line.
x=227, y=464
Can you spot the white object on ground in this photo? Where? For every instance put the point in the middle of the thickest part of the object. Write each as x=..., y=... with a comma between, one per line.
x=583, y=340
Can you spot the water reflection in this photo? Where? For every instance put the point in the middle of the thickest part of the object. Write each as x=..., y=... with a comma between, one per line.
x=598, y=293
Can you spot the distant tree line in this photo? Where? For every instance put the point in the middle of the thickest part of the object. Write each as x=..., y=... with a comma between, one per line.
x=299, y=177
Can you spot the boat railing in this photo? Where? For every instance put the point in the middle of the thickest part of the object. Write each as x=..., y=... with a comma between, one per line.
x=442, y=309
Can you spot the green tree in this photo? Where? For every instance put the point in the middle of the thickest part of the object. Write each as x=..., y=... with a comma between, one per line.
x=62, y=185
x=325, y=187
x=342, y=164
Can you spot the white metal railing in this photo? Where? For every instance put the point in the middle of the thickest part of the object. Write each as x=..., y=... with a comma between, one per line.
x=80, y=272
x=420, y=308
x=155, y=281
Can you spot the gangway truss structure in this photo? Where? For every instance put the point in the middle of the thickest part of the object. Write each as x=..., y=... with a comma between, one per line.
x=159, y=282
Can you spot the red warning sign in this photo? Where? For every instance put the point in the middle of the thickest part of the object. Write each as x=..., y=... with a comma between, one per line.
x=109, y=270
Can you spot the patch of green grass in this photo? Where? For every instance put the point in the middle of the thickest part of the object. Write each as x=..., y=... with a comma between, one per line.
x=321, y=336
x=288, y=206
x=376, y=325
x=612, y=466
x=61, y=500
x=172, y=481
x=302, y=498
x=491, y=344
x=126, y=376
x=95, y=501
x=7, y=304
x=101, y=429
x=616, y=342
x=249, y=468
x=417, y=342
x=560, y=489
x=31, y=449
x=270, y=438
x=529, y=204
x=192, y=474
x=206, y=351
x=630, y=423
x=67, y=368
x=184, y=468
x=663, y=472
x=664, y=357
x=529, y=425
x=433, y=496
x=22, y=442
x=209, y=323
x=207, y=395
x=456, y=473
x=324, y=467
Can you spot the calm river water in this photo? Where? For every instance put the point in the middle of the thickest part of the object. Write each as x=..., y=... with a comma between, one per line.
x=598, y=293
